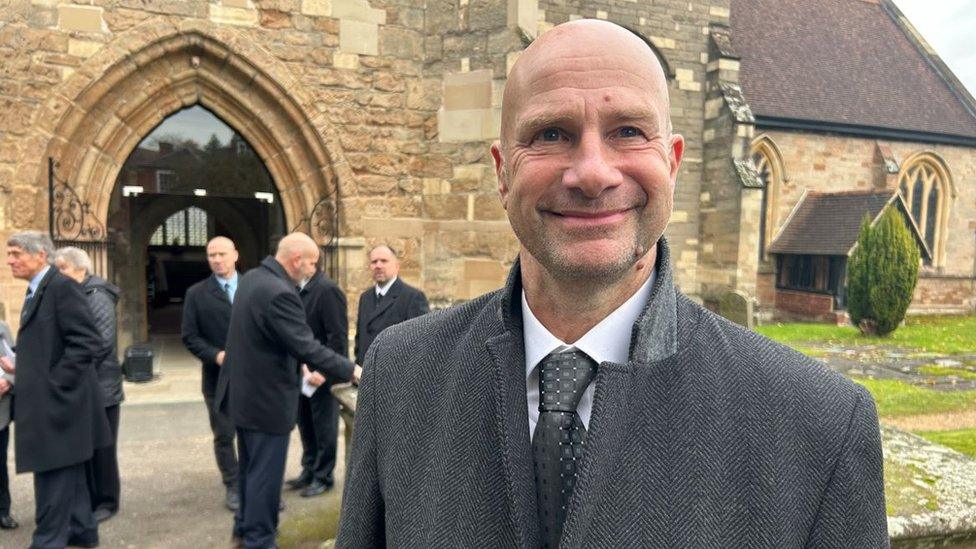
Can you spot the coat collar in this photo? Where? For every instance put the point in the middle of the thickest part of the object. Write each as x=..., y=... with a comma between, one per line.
x=35, y=301
x=391, y=295
x=655, y=334
x=653, y=339
x=272, y=264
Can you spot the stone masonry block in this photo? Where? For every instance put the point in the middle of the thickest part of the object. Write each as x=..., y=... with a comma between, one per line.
x=342, y=60
x=81, y=18
x=240, y=17
x=467, y=91
x=359, y=37
x=83, y=48
x=524, y=15
x=358, y=10
x=317, y=8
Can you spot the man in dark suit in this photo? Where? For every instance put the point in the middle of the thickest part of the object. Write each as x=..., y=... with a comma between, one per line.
x=589, y=403
x=206, y=318
x=58, y=404
x=318, y=415
x=390, y=301
x=260, y=381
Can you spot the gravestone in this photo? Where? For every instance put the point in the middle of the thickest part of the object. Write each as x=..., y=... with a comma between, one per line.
x=737, y=307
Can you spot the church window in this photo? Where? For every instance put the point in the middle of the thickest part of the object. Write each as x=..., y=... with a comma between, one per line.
x=924, y=184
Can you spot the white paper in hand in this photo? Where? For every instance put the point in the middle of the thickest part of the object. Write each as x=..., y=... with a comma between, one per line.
x=307, y=388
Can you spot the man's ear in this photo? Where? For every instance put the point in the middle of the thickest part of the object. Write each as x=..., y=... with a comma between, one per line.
x=677, y=152
x=500, y=172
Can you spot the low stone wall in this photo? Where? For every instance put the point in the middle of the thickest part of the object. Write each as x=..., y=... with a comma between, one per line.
x=804, y=303
x=950, y=295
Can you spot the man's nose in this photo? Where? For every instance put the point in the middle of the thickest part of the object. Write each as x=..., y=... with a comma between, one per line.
x=592, y=168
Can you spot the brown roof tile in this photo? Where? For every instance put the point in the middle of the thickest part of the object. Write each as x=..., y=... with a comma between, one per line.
x=842, y=62
x=828, y=223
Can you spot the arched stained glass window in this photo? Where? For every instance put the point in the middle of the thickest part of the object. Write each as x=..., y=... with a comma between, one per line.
x=924, y=184
x=769, y=165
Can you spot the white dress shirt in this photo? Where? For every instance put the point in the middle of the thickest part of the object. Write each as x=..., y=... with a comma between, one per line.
x=381, y=290
x=608, y=341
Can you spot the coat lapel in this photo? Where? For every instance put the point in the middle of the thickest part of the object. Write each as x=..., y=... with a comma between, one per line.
x=218, y=292
x=512, y=418
x=391, y=295
x=35, y=301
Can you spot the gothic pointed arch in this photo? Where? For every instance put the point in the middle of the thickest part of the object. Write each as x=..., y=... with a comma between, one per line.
x=769, y=165
x=153, y=71
x=925, y=183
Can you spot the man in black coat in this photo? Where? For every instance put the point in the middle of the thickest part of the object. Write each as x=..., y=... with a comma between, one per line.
x=390, y=301
x=206, y=319
x=58, y=404
x=260, y=380
x=318, y=415
x=589, y=403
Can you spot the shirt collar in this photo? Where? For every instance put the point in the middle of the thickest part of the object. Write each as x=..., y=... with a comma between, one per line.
x=608, y=341
x=381, y=290
x=36, y=281
x=232, y=281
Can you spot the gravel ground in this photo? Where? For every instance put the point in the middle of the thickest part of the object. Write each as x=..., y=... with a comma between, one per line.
x=172, y=496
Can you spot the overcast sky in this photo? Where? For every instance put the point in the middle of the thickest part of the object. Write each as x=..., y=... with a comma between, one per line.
x=195, y=123
x=949, y=26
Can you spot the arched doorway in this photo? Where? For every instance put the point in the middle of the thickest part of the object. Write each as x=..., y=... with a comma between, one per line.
x=191, y=179
x=95, y=122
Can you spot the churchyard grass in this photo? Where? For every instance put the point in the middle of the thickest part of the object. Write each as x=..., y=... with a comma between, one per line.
x=944, y=335
x=961, y=440
x=899, y=399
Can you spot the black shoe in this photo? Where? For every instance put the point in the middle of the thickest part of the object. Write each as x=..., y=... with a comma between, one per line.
x=104, y=513
x=299, y=482
x=316, y=488
x=7, y=522
x=233, y=500
x=90, y=540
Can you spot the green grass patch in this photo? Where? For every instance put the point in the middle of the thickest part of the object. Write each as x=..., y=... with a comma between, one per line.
x=908, y=490
x=944, y=335
x=309, y=530
x=961, y=440
x=941, y=371
x=898, y=399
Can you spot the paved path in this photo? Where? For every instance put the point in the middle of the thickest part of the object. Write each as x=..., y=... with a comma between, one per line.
x=172, y=496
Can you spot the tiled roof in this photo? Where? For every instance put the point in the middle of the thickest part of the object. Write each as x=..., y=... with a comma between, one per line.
x=842, y=62
x=828, y=223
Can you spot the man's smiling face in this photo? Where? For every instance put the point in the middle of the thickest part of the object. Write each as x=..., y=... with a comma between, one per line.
x=587, y=163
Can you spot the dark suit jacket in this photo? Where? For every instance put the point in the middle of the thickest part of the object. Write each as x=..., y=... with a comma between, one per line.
x=401, y=302
x=58, y=404
x=260, y=380
x=709, y=436
x=206, y=319
x=327, y=315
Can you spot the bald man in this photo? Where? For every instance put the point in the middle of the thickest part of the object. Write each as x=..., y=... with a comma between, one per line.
x=260, y=379
x=589, y=403
x=206, y=318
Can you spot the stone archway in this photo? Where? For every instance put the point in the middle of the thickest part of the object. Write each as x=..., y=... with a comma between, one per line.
x=100, y=114
x=92, y=131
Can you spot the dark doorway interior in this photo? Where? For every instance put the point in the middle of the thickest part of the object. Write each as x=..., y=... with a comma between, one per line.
x=191, y=179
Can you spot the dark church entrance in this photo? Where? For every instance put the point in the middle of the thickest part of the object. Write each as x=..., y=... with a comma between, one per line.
x=191, y=179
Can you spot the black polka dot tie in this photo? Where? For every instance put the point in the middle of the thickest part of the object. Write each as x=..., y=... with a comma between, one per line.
x=557, y=445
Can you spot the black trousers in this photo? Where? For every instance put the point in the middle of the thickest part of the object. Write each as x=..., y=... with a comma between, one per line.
x=63, y=509
x=104, y=486
x=223, y=432
x=318, y=424
x=4, y=477
x=262, y=458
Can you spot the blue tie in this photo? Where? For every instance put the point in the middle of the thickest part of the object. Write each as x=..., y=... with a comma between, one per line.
x=230, y=294
x=23, y=311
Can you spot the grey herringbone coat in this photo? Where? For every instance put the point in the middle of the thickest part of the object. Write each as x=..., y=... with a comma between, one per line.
x=710, y=436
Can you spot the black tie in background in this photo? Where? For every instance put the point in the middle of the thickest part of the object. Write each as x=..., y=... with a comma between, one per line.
x=23, y=310
x=557, y=446
x=227, y=291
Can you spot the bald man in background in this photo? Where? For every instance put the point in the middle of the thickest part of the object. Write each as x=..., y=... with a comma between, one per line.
x=206, y=318
x=260, y=380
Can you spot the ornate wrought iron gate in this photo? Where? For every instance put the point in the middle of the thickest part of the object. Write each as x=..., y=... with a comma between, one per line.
x=71, y=222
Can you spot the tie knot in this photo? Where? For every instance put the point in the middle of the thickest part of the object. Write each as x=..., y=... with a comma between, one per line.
x=563, y=377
